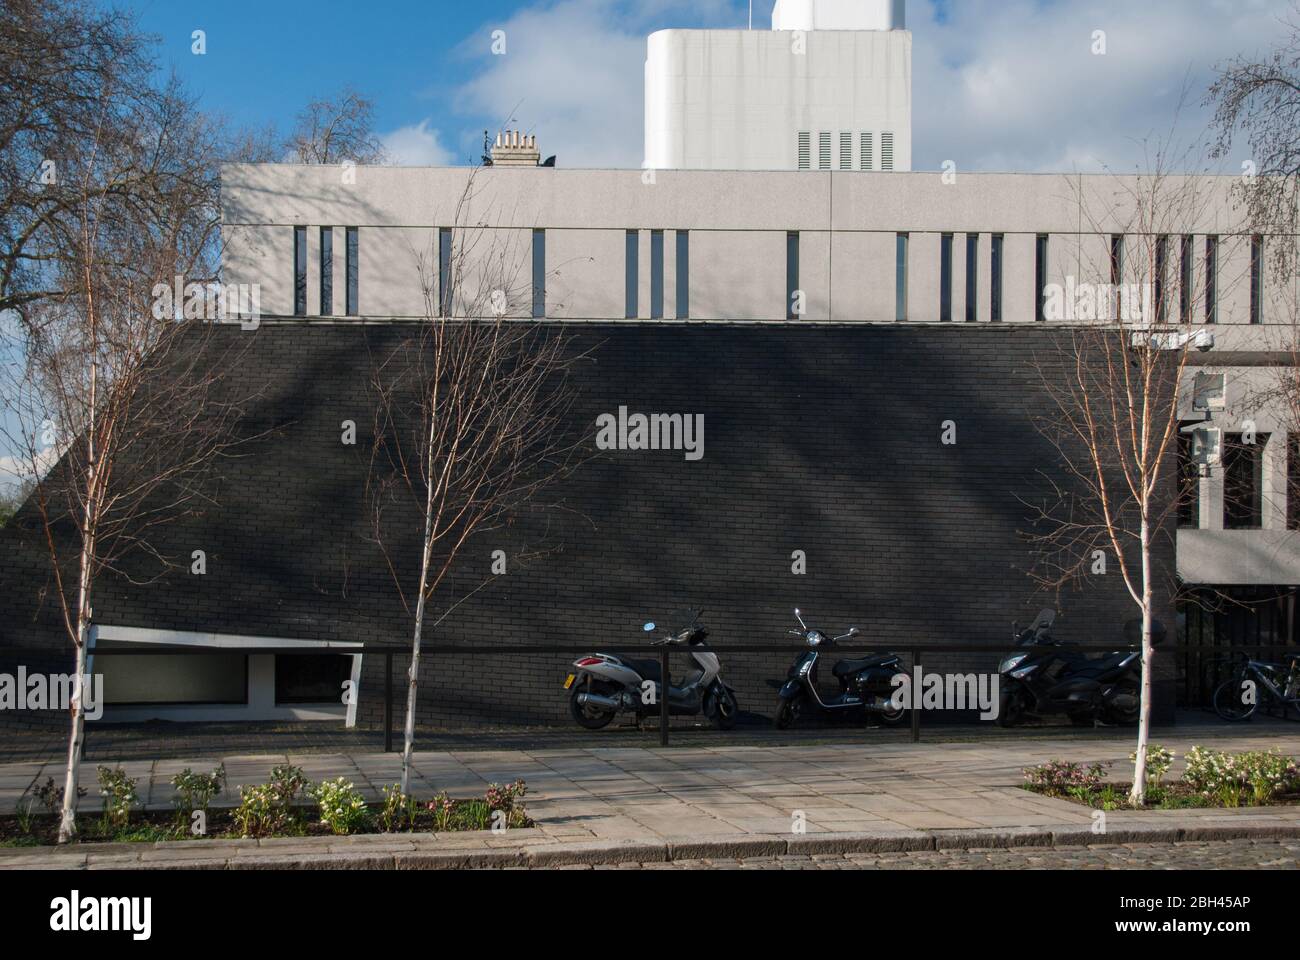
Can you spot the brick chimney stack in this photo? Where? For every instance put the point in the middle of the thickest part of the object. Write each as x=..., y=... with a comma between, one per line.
x=515, y=149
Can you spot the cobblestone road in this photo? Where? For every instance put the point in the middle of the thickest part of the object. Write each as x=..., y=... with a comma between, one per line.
x=1224, y=855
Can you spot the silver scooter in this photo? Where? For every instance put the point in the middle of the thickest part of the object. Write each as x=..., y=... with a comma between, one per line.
x=604, y=685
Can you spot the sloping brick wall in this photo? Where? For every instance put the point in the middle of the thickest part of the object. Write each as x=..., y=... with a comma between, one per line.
x=822, y=439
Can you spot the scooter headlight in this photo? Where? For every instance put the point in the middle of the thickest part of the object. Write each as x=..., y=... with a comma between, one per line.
x=1010, y=663
x=1024, y=671
x=815, y=638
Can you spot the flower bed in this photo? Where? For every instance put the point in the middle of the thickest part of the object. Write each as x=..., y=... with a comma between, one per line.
x=1211, y=779
x=288, y=805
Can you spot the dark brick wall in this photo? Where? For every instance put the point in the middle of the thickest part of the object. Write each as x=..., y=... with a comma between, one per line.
x=820, y=439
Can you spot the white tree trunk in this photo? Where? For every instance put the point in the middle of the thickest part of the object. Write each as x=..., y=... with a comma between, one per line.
x=1138, y=795
x=413, y=676
x=68, y=823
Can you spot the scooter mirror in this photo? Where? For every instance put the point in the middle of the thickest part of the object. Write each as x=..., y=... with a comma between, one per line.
x=649, y=628
x=853, y=631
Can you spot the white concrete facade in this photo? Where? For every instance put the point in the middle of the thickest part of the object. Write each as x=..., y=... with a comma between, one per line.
x=829, y=87
x=738, y=226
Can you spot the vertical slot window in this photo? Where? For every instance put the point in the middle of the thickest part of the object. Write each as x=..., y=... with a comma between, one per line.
x=995, y=283
x=632, y=273
x=1117, y=274
x=683, y=267
x=945, y=278
x=846, y=151
x=445, y=280
x=972, y=276
x=539, y=274
x=353, y=293
x=1162, y=272
x=868, y=158
x=900, y=277
x=656, y=274
x=300, y=271
x=886, y=151
x=805, y=150
x=1185, y=272
x=326, y=271
x=1041, y=249
x=1257, y=279
x=824, y=150
x=793, y=306
x=1211, y=279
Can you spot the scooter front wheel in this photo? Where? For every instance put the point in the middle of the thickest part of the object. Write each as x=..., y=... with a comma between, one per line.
x=725, y=709
x=786, y=712
x=586, y=716
x=1010, y=708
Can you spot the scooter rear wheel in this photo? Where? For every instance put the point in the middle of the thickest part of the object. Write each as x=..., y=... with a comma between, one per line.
x=588, y=717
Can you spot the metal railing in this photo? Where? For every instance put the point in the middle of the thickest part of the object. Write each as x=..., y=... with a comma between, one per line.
x=915, y=652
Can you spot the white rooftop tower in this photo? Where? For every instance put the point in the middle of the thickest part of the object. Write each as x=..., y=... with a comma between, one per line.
x=829, y=87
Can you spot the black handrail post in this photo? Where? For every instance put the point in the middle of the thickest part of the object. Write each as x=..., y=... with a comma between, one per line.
x=388, y=702
x=663, y=698
x=915, y=698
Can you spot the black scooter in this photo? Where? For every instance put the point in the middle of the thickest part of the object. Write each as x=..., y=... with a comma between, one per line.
x=865, y=685
x=1048, y=678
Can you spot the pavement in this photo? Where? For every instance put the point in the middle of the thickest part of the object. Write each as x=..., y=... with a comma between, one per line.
x=643, y=804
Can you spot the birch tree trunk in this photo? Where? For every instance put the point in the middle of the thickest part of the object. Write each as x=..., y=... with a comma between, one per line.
x=413, y=676
x=1138, y=795
x=77, y=735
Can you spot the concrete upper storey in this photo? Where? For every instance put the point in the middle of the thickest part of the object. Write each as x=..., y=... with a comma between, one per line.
x=732, y=245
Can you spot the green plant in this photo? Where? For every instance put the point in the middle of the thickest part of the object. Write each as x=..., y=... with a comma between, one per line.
x=118, y=791
x=441, y=807
x=267, y=809
x=1059, y=778
x=50, y=796
x=1159, y=760
x=342, y=808
x=194, y=791
x=1257, y=777
x=25, y=814
x=398, y=809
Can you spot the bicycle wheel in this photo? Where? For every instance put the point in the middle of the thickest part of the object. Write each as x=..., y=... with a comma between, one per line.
x=1233, y=701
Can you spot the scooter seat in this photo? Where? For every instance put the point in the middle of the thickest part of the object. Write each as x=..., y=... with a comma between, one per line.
x=648, y=669
x=846, y=667
x=1095, y=668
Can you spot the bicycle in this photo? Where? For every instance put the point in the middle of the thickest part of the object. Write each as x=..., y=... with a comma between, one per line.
x=1259, y=682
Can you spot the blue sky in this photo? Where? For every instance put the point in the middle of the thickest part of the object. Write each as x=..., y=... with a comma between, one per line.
x=999, y=84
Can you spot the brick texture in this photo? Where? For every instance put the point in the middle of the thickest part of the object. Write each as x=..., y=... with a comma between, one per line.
x=823, y=439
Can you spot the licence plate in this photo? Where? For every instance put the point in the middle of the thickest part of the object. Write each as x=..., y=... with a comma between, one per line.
x=568, y=682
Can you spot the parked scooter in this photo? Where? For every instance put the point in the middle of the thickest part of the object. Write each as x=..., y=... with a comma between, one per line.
x=1048, y=678
x=865, y=685
x=605, y=685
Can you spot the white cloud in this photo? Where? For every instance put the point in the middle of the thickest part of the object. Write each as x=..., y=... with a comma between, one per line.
x=999, y=85
x=417, y=145
x=1014, y=85
x=573, y=74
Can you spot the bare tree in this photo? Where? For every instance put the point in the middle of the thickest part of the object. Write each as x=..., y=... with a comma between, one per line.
x=117, y=411
x=1116, y=382
x=337, y=130
x=78, y=82
x=1259, y=98
x=471, y=420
